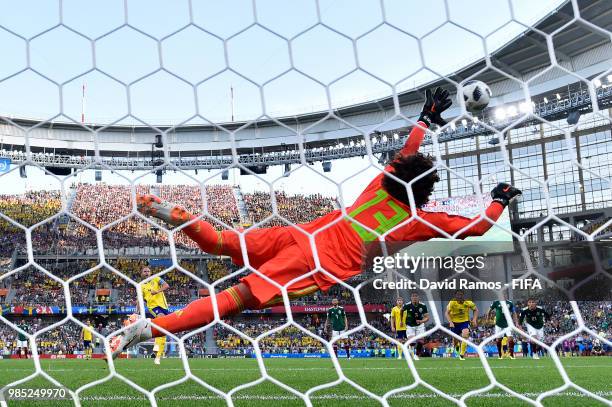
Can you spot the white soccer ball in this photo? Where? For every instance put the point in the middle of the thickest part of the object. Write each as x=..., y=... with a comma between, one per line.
x=476, y=95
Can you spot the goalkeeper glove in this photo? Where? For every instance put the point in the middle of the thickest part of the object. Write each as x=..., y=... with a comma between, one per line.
x=434, y=106
x=505, y=193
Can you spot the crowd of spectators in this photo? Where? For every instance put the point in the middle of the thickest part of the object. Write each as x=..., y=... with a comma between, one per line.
x=99, y=205
x=290, y=339
x=64, y=339
x=597, y=316
x=294, y=208
x=26, y=209
x=32, y=287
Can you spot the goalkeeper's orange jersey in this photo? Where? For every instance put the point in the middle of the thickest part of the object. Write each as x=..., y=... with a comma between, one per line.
x=340, y=246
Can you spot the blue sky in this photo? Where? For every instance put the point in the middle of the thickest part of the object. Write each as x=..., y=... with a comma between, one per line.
x=195, y=55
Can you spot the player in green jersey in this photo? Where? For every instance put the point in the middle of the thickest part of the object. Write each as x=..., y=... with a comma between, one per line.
x=534, y=317
x=501, y=326
x=417, y=316
x=22, y=340
x=336, y=316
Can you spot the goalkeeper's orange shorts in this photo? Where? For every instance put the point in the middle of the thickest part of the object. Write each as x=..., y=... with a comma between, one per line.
x=274, y=253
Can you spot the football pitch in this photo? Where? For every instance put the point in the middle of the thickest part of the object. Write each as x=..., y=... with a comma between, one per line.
x=454, y=377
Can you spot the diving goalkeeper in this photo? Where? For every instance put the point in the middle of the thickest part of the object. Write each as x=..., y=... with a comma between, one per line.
x=284, y=253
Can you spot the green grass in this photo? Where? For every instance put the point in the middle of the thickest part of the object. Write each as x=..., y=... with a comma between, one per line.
x=525, y=376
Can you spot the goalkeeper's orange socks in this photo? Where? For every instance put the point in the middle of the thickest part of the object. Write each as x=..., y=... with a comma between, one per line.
x=200, y=312
x=205, y=235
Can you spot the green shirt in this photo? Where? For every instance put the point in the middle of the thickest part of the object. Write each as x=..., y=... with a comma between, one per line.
x=534, y=317
x=500, y=318
x=20, y=336
x=414, y=313
x=336, y=317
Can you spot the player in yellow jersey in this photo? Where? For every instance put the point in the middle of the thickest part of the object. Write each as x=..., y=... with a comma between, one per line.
x=86, y=337
x=398, y=323
x=458, y=317
x=153, y=294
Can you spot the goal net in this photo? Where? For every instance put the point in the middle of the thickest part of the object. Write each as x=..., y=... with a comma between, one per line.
x=257, y=114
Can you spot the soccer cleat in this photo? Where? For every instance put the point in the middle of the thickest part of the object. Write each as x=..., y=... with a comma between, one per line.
x=511, y=357
x=415, y=357
x=168, y=212
x=138, y=330
x=157, y=361
x=461, y=357
x=536, y=357
x=500, y=357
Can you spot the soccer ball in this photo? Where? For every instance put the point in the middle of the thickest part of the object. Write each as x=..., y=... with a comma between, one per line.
x=476, y=95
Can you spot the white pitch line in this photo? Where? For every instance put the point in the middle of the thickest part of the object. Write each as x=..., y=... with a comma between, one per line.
x=333, y=396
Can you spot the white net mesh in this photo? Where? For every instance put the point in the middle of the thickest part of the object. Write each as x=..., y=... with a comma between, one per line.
x=59, y=226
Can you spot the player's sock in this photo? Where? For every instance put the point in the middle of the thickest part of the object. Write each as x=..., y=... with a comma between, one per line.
x=463, y=348
x=200, y=312
x=347, y=349
x=419, y=349
x=205, y=235
x=499, y=347
x=160, y=342
x=335, y=346
x=511, y=347
x=400, y=351
x=534, y=349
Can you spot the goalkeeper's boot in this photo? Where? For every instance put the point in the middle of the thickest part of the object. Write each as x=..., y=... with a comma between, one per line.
x=138, y=330
x=170, y=213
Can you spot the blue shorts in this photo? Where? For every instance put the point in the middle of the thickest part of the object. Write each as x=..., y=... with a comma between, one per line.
x=460, y=326
x=87, y=344
x=400, y=334
x=157, y=311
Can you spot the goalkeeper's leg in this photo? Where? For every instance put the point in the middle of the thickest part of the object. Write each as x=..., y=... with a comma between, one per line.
x=262, y=244
x=254, y=292
x=203, y=233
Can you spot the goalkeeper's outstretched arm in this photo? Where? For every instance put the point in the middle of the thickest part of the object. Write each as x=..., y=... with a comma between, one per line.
x=502, y=195
x=435, y=104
